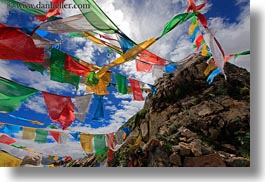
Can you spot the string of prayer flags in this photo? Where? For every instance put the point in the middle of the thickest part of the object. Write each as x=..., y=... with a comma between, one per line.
x=130, y=54
x=99, y=112
x=6, y=139
x=41, y=136
x=121, y=83
x=16, y=45
x=136, y=89
x=86, y=142
x=100, y=144
x=28, y=133
x=95, y=16
x=29, y=120
x=177, y=20
x=12, y=94
x=54, y=10
x=213, y=75
x=82, y=104
x=60, y=109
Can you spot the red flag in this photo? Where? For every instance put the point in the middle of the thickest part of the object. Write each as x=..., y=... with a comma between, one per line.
x=75, y=67
x=199, y=41
x=202, y=19
x=110, y=138
x=149, y=57
x=137, y=92
x=16, y=45
x=60, y=108
x=55, y=135
x=54, y=10
x=143, y=67
x=6, y=139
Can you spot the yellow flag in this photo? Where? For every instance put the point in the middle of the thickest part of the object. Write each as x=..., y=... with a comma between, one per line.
x=204, y=50
x=86, y=142
x=130, y=54
x=28, y=133
x=8, y=160
x=192, y=27
x=211, y=67
x=101, y=87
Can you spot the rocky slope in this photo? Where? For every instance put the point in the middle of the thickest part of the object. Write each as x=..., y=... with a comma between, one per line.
x=189, y=122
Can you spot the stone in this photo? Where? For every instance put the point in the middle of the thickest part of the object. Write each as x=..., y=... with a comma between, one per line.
x=175, y=159
x=187, y=133
x=229, y=148
x=238, y=162
x=206, y=150
x=195, y=147
x=144, y=131
x=32, y=160
x=175, y=148
x=184, y=149
x=211, y=160
x=214, y=133
x=163, y=131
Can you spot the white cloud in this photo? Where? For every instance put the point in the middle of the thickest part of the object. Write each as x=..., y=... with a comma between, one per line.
x=36, y=103
x=4, y=12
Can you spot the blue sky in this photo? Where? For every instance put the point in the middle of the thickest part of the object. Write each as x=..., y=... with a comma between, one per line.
x=140, y=20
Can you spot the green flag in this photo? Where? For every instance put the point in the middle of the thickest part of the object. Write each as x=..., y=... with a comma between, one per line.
x=121, y=83
x=58, y=73
x=41, y=136
x=100, y=144
x=27, y=8
x=178, y=19
x=242, y=53
x=95, y=16
x=12, y=94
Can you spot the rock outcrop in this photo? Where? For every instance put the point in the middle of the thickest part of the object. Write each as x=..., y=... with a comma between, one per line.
x=191, y=123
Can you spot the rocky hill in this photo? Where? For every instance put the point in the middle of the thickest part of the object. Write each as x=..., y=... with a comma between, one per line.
x=189, y=122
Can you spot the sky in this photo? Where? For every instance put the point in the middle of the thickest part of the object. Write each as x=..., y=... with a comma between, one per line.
x=229, y=20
